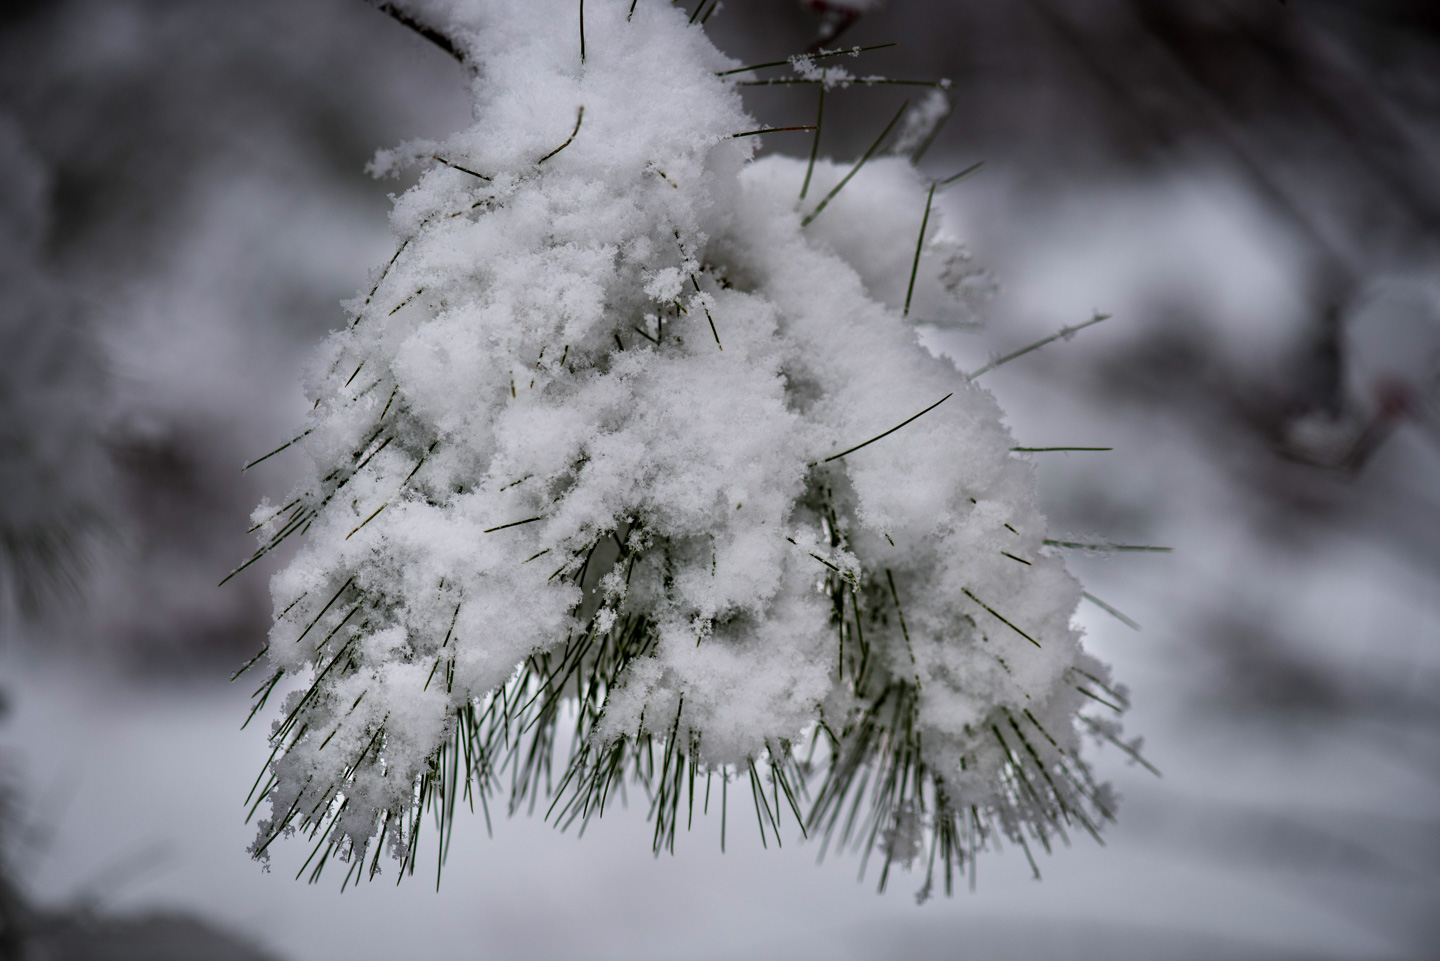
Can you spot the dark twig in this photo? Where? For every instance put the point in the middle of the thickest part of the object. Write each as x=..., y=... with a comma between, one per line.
x=835, y=21
x=433, y=34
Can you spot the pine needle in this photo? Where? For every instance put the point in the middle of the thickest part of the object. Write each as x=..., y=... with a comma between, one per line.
x=455, y=166
x=1106, y=548
x=858, y=81
x=809, y=57
x=814, y=144
x=293, y=440
x=579, y=116
x=501, y=527
x=1000, y=617
x=1064, y=332
x=887, y=433
x=756, y=133
x=1110, y=610
x=964, y=174
x=858, y=164
x=919, y=245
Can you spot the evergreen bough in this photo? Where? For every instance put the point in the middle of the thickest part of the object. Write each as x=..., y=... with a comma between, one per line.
x=630, y=466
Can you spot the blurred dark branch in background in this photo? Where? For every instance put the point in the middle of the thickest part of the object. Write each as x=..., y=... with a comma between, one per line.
x=1327, y=110
x=835, y=19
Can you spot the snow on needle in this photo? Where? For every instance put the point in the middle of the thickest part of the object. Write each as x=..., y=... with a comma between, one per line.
x=807, y=58
x=1062, y=334
x=464, y=170
x=756, y=133
x=858, y=164
x=667, y=485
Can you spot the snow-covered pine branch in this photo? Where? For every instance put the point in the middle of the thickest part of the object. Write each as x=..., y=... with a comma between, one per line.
x=590, y=466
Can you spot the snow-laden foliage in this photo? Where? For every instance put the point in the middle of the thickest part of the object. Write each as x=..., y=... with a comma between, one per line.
x=630, y=451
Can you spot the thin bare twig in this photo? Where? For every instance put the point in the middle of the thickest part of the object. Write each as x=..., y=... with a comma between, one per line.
x=431, y=33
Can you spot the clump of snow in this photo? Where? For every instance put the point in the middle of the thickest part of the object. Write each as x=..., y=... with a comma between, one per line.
x=921, y=123
x=873, y=225
x=596, y=438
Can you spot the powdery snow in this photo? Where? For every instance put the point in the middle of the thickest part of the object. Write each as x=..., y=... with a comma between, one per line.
x=574, y=460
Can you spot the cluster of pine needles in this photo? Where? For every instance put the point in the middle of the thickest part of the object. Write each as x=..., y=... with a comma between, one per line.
x=870, y=789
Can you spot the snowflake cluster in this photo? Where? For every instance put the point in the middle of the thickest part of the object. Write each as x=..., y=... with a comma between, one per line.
x=622, y=452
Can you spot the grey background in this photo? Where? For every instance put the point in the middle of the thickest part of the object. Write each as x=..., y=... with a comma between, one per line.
x=1249, y=187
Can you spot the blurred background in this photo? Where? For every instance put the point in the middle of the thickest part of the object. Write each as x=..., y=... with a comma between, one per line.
x=1251, y=188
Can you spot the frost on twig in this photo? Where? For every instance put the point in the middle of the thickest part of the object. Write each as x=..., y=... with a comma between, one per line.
x=616, y=475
